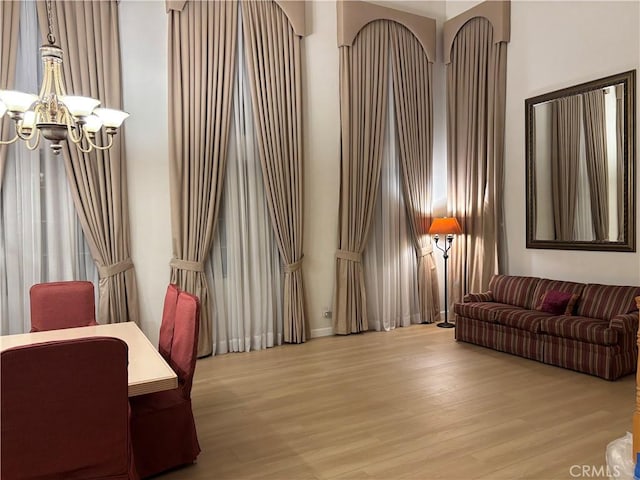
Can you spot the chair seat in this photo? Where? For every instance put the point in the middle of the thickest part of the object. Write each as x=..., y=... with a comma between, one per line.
x=163, y=432
x=147, y=404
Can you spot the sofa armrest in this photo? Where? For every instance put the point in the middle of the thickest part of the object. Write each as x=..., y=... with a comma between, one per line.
x=478, y=297
x=627, y=322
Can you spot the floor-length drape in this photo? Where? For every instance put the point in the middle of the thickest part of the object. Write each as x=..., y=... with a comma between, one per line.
x=476, y=96
x=413, y=101
x=244, y=264
x=40, y=236
x=274, y=64
x=389, y=258
x=565, y=158
x=596, y=156
x=363, y=105
x=88, y=33
x=9, y=26
x=202, y=44
x=620, y=156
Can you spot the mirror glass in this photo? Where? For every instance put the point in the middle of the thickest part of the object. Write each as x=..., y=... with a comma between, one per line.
x=580, y=166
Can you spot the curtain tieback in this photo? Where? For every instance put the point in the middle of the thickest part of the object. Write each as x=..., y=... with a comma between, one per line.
x=293, y=267
x=197, y=267
x=424, y=251
x=351, y=256
x=115, y=268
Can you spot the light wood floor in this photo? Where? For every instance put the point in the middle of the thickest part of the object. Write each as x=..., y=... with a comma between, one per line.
x=411, y=403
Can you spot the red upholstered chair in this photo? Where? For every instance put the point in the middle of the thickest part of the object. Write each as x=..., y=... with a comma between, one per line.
x=56, y=305
x=168, y=321
x=64, y=410
x=163, y=431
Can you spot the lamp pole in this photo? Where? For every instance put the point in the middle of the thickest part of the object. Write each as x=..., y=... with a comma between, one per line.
x=450, y=227
x=445, y=256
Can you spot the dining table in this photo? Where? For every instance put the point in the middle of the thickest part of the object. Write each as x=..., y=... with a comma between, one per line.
x=148, y=371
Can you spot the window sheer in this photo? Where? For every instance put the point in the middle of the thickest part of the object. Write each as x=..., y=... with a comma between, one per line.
x=390, y=264
x=40, y=236
x=244, y=266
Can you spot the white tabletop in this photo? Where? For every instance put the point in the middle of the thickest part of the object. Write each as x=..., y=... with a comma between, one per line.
x=148, y=372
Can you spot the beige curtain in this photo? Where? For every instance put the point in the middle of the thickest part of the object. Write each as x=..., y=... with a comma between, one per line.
x=9, y=23
x=476, y=94
x=413, y=97
x=596, y=151
x=89, y=36
x=565, y=159
x=274, y=64
x=363, y=106
x=202, y=52
x=619, y=160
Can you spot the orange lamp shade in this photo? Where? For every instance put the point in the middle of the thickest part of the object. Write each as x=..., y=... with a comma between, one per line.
x=445, y=226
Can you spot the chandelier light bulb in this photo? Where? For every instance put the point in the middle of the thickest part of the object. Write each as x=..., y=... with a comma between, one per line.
x=28, y=119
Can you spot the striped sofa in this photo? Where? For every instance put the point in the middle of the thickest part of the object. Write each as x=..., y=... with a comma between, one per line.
x=598, y=337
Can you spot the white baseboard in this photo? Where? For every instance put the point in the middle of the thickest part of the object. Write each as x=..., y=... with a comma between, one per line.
x=322, y=332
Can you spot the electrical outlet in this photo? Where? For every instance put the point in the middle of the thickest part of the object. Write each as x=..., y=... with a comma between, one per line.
x=326, y=313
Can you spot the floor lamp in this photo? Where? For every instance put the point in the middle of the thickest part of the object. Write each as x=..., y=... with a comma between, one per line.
x=448, y=226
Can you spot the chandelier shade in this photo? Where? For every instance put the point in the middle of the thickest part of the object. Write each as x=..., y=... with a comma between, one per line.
x=55, y=115
x=17, y=101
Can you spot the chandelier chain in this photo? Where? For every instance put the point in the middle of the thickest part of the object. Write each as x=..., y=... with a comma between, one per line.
x=50, y=37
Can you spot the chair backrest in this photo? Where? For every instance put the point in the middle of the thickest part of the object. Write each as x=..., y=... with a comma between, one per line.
x=168, y=321
x=65, y=410
x=56, y=305
x=185, y=340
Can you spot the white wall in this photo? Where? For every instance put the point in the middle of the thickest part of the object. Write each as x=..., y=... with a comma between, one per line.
x=555, y=45
x=143, y=32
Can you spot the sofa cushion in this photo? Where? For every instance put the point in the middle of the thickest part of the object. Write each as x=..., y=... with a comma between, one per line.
x=607, y=301
x=484, y=311
x=626, y=324
x=522, y=319
x=512, y=290
x=557, y=302
x=545, y=285
x=480, y=297
x=591, y=330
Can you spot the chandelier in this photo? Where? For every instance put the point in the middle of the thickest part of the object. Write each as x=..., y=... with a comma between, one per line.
x=55, y=115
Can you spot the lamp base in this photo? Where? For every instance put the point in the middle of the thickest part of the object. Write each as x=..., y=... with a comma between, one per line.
x=445, y=325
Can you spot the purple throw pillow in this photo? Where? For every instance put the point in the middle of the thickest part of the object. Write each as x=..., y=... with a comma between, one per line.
x=558, y=303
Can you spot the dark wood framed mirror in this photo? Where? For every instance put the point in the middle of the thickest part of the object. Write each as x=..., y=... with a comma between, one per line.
x=580, y=172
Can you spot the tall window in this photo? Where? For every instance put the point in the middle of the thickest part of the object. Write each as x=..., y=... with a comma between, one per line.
x=389, y=256
x=244, y=265
x=40, y=236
